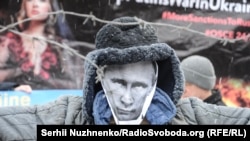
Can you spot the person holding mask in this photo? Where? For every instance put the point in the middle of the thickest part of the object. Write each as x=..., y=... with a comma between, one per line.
x=28, y=58
x=200, y=79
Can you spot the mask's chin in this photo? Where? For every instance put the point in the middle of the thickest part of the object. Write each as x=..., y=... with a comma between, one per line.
x=130, y=122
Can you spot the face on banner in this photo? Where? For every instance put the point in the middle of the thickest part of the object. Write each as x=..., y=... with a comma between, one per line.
x=129, y=90
x=31, y=58
x=37, y=7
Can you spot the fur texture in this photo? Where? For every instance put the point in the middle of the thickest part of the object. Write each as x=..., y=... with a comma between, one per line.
x=117, y=44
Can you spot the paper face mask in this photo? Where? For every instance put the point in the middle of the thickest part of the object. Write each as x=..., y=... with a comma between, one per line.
x=129, y=90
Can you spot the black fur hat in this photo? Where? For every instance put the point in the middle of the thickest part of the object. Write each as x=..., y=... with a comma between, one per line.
x=130, y=43
x=120, y=36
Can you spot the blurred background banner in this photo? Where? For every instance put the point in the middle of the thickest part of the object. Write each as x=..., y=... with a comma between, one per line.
x=216, y=29
x=37, y=97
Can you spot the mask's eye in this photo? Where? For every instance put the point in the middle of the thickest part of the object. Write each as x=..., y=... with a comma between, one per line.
x=138, y=86
x=119, y=83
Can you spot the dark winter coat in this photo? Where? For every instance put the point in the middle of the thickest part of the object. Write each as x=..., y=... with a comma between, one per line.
x=8, y=86
x=215, y=98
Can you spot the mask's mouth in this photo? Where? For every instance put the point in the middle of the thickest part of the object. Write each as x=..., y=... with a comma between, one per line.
x=144, y=109
x=124, y=112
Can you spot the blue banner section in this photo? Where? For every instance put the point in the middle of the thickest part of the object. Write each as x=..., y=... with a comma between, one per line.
x=17, y=98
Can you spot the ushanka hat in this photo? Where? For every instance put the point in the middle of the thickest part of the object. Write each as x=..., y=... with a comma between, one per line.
x=126, y=41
